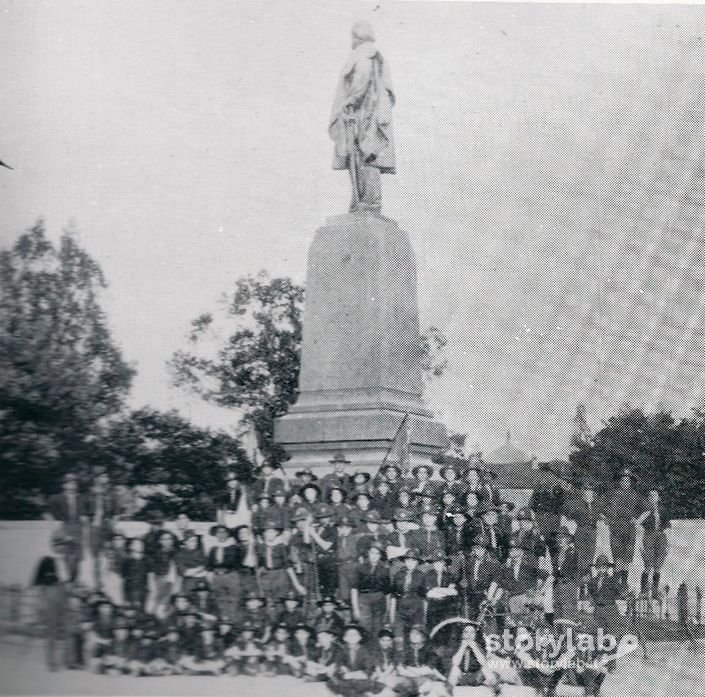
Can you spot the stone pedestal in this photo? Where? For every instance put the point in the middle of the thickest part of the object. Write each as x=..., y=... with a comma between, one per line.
x=360, y=363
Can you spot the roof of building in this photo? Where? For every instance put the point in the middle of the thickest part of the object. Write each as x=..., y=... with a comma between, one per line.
x=507, y=453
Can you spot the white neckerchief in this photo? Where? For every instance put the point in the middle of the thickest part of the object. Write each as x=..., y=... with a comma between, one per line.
x=62, y=572
x=220, y=547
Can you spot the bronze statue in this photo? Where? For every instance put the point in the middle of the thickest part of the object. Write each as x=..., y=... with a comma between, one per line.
x=361, y=120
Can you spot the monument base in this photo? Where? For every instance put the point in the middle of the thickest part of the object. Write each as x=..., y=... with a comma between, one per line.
x=364, y=436
x=361, y=350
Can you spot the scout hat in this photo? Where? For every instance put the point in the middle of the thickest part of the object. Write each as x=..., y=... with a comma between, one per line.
x=278, y=489
x=358, y=494
x=253, y=595
x=373, y=516
x=327, y=599
x=307, y=473
x=339, y=458
x=418, y=468
x=300, y=514
x=272, y=524
x=525, y=514
x=487, y=508
x=437, y=555
x=310, y=485
x=324, y=511
x=290, y=595
x=412, y=553
x=385, y=468
x=403, y=515
x=345, y=521
x=448, y=468
x=354, y=625
x=386, y=631
x=366, y=476
x=216, y=528
x=338, y=487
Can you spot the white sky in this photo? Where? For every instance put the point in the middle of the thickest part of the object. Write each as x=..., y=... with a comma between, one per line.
x=187, y=141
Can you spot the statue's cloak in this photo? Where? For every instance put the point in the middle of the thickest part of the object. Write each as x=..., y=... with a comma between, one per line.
x=364, y=84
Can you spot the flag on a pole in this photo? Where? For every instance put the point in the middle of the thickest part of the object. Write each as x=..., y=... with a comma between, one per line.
x=398, y=452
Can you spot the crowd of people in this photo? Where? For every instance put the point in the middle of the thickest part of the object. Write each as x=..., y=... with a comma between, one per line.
x=371, y=582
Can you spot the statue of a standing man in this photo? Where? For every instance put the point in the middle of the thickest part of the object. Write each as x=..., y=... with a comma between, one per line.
x=361, y=120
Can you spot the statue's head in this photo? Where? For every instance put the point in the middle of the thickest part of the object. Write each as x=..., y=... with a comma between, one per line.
x=362, y=31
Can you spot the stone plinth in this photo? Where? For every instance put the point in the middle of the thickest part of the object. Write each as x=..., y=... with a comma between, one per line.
x=361, y=353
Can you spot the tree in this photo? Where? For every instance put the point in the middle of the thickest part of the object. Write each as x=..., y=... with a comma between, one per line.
x=61, y=375
x=659, y=449
x=247, y=354
x=186, y=464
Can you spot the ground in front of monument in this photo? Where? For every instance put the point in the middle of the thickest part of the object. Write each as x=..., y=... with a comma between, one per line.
x=671, y=669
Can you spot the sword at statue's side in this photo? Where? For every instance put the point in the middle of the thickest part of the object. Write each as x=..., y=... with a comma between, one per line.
x=351, y=136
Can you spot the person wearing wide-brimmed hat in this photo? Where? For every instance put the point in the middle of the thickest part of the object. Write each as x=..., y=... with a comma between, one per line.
x=655, y=520
x=360, y=506
x=233, y=500
x=604, y=588
x=481, y=570
x=311, y=496
x=306, y=476
x=224, y=562
x=528, y=536
x=371, y=534
x=359, y=483
x=280, y=509
x=566, y=577
x=624, y=506
x=487, y=526
x=440, y=589
x=354, y=664
x=254, y=614
x=392, y=474
x=428, y=539
x=586, y=510
x=421, y=482
x=269, y=477
x=325, y=536
x=523, y=579
x=272, y=562
x=336, y=499
x=327, y=616
x=291, y=612
x=406, y=603
x=346, y=556
x=338, y=477
x=370, y=587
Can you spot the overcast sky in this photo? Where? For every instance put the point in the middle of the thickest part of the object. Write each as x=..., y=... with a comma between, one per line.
x=187, y=142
